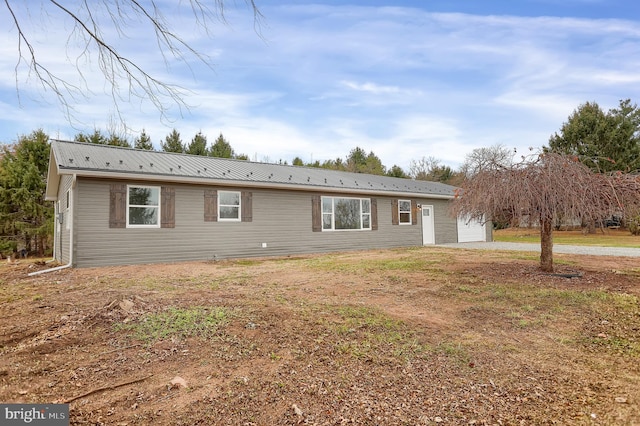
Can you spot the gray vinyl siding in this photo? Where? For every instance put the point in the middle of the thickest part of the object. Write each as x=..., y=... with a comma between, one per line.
x=281, y=219
x=446, y=227
x=62, y=249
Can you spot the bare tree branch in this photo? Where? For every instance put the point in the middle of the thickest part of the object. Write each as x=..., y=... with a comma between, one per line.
x=124, y=76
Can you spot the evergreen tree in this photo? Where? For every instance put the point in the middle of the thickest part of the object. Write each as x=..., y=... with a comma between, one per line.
x=603, y=141
x=117, y=140
x=25, y=217
x=96, y=137
x=221, y=148
x=297, y=162
x=143, y=142
x=374, y=165
x=359, y=161
x=198, y=145
x=172, y=143
x=624, y=144
x=396, y=171
x=337, y=164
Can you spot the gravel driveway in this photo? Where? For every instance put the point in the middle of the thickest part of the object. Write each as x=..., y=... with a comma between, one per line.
x=557, y=248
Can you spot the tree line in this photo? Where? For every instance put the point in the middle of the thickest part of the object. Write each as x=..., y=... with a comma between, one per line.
x=356, y=161
x=605, y=142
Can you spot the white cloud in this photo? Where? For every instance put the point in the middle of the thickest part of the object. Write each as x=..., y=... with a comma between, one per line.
x=372, y=88
x=399, y=81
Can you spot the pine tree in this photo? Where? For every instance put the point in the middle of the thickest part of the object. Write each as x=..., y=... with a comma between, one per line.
x=172, y=143
x=117, y=140
x=396, y=171
x=603, y=141
x=198, y=145
x=96, y=137
x=26, y=219
x=221, y=148
x=143, y=142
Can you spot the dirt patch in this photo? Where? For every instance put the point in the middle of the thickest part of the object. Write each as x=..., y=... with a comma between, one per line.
x=409, y=336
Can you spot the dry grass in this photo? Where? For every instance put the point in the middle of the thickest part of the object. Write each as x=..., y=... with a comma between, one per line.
x=407, y=336
x=602, y=237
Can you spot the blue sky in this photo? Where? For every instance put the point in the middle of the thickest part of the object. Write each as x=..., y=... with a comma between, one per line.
x=404, y=79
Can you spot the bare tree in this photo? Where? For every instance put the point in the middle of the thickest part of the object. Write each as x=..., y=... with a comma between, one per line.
x=486, y=158
x=431, y=169
x=124, y=76
x=544, y=188
x=421, y=169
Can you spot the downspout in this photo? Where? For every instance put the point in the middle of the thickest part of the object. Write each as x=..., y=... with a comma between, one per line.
x=71, y=223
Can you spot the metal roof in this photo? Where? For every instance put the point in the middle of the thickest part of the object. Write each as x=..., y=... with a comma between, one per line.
x=86, y=159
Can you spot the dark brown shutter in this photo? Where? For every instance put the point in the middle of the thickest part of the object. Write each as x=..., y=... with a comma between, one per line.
x=374, y=214
x=414, y=212
x=210, y=205
x=246, y=213
x=395, y=216
x=168, y=207
x=316, y=213
x=118, y=205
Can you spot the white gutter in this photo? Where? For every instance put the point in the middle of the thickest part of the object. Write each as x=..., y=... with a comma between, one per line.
x=70, y=263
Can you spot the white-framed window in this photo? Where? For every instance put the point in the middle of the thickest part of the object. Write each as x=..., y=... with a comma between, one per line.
x=404, y=212
x=229, y=206
x=143, y=206
x=343, y=213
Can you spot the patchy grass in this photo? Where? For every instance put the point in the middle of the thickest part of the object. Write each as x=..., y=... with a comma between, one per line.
x=366, y=332
x=402, y=336
x=454, y=350
x=604, y=238
x=346, y=264
x=177, y=323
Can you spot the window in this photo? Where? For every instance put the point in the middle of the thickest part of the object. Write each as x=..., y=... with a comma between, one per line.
x=59, y=216
x=139, y=206
x=404, y=212
x=228, y=206
x=143, y=207
x=346, y=213
x=66, y=217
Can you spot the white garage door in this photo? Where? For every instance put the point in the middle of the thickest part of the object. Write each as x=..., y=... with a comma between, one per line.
x=471, y=230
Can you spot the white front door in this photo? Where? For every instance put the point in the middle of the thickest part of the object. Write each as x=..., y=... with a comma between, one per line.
x=428, y=234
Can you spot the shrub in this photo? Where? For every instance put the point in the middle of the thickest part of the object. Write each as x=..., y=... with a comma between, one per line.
x=633, y=225
x=7, y=247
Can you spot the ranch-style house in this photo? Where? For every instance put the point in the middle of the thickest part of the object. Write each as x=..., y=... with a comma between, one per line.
x=118, y=206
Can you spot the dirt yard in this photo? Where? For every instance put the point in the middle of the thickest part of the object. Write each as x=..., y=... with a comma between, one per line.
x=418, y=336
